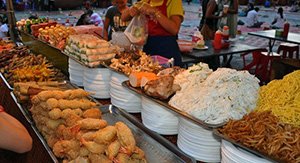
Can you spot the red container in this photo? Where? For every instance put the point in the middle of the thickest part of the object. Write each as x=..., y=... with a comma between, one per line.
x=217, y=43
x=286, y=29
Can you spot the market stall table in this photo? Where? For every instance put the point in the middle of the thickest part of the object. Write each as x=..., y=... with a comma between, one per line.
x=211, y=55
x=271, y=35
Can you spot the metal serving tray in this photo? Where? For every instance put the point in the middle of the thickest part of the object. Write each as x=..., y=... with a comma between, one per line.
x=164, y=103
x=5, y=81
x=156, y=148
x=256, y=152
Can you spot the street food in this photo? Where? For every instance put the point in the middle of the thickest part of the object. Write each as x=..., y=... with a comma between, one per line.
x=264, y=132
x=225, y=94
x=73, y=128
x=282, y=98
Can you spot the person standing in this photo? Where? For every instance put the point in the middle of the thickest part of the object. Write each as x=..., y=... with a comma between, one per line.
x=213, y=13
x=203, y=5
x=165, y=18
x=232, y=17
x=113, y=18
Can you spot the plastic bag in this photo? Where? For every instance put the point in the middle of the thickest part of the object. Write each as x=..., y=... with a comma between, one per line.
x=137, y=30
x=120, y=39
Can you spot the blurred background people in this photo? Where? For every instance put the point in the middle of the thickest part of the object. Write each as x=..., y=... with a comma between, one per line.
x=165, y=18
x=84, y=20
x=252, y=19
x=214, y=12
x=13, y=135
x=95, y=18
x=232, y=17
x=113, y=19
x=3, y=27
x=279, y=19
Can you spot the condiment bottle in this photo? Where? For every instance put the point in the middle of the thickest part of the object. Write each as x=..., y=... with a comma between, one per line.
x=218, y=40
x=225, y=32
x=286, y=29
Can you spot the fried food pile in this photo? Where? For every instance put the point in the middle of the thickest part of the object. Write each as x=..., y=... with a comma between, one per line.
x=282, y=98
x=25, y=90
x=263, y=132
x=73, y=128
x=134, y=62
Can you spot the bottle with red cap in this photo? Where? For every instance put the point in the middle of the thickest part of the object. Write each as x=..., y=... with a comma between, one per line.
x=217, y=43
x=286, y=29
x=225, y=33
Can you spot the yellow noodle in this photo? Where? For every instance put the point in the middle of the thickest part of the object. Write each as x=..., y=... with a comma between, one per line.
x=282, y=97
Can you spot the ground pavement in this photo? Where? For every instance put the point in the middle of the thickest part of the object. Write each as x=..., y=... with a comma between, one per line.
x=192, y=18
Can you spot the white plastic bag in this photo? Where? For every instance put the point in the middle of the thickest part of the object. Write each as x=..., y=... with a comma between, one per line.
x=137, y=30
x=120, y=39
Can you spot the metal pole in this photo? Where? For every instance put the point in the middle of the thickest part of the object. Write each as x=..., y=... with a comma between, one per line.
x=11, y=20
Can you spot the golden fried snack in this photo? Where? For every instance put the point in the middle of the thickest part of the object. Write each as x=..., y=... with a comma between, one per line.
x=89, y=136
x=113, y=149
x=122, y=158
x=75, y=93
x=92, y=113
x=90, y=123
x=69, y=148
x=79, y=159
x=52, y=103
x=93, y=146
x=84, y=152
x=95, y=158
x=138, y=154
x=75, y=104
x=45, y=95
x=72, y=120
x=55, y=113
x=125, y=137
x=106, y=135
x=53, y=124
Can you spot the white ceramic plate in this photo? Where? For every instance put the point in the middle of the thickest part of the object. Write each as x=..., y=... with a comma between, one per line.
x=202, y=48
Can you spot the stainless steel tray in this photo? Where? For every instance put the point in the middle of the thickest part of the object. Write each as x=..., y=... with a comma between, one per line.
x=156, y=148
x=164, y=103
x=25, y=112
x=6, y=83
x=256, y=152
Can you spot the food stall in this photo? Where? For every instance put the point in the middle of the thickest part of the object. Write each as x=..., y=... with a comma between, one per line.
x=154, y=113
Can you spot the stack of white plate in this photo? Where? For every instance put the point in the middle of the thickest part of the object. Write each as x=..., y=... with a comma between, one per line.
x=233, y=154
x=96, y=81
x=122, y=97
x=158, y=118
x=198, y=142
x=75, y=73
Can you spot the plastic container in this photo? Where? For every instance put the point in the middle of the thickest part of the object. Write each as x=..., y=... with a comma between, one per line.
x=218, y=40
x=161, y=60
x=286, y=29
x=185, y=46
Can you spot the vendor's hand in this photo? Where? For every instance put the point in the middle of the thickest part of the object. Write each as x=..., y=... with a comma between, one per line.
x=224, y=14
x=147, y=9
x=133, y=11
